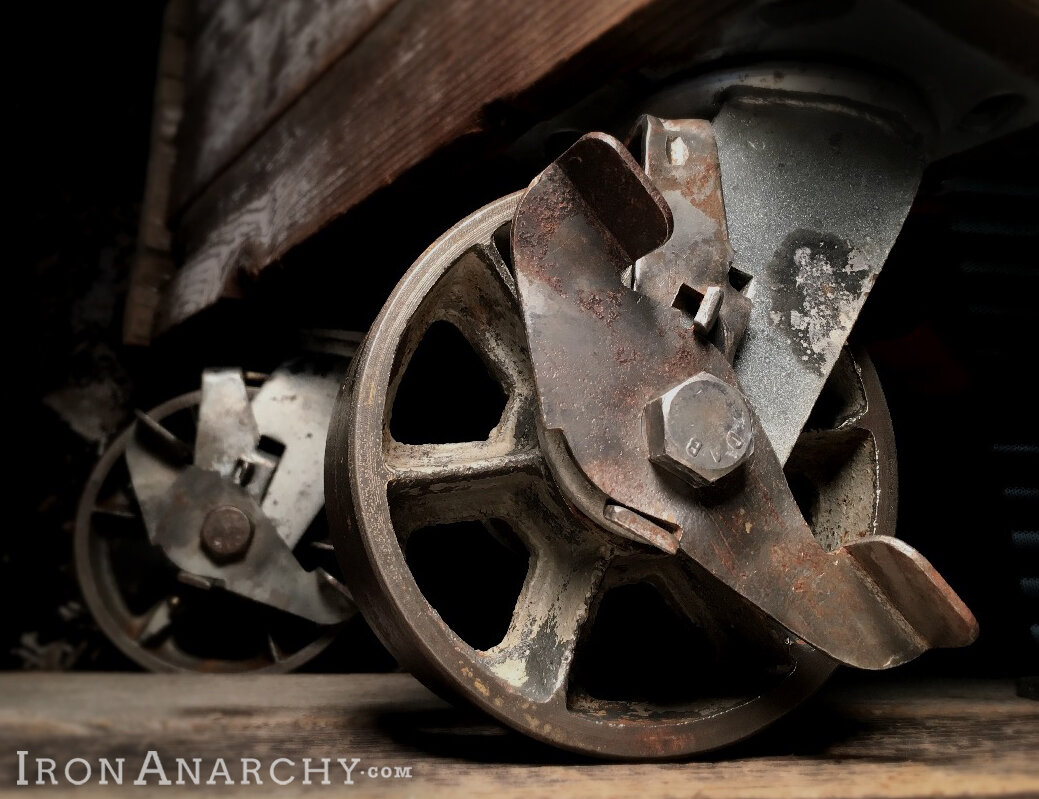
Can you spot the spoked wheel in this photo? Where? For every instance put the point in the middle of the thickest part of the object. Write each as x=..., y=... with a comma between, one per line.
x=567, y=633
x=157, y=614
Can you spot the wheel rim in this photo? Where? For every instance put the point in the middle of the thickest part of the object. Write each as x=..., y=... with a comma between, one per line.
x=379, y=491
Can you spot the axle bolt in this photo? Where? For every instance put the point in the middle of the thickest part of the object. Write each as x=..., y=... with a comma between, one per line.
x=701, y=429
x=226, y=534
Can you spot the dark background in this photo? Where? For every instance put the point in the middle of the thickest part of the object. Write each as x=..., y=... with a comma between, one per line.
x=950, y=325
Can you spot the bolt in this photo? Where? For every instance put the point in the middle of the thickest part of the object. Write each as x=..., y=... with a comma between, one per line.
x=701, y=429
x=226, y=534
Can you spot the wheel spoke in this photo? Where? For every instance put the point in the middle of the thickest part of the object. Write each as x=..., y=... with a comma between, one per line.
x=474, y=297
x=161, y=442
x=479, y=303
x=538, y=649
x=445, y=483
x=156, y=622
x=277, y=655
x=418, y=469
x=831, y=444
x=833, y=474
x=118, y=505
x=851, y=398
x=151, y=474
x=336, y=584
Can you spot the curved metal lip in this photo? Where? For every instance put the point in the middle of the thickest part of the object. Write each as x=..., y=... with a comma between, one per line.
x=899, y=104
x=392, y=603
x=106, y=616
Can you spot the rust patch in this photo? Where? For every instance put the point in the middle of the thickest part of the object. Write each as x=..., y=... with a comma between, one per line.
x=604, y=306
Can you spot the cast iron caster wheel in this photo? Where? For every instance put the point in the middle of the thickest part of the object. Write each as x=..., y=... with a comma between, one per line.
x=552, y=665
x=158, y=616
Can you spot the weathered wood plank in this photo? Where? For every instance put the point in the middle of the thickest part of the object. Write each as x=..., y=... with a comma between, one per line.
x=153, y=265
x=249, y=61
x=876, y=739
x=421, y=79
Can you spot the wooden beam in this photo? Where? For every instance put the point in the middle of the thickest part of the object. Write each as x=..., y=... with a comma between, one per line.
x=249, y=61
x=417, y=82
x=153, y=264
x=875, y=738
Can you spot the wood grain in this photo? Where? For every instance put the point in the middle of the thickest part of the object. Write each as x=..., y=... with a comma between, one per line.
x=249, y=61
x=875, y=738
x=153, y=264
x=419, y=80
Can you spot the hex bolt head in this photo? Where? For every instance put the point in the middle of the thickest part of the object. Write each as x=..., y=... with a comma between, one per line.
x=701, y=429
x=226, y=534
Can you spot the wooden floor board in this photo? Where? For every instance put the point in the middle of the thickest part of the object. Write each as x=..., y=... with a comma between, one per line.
x=879, y=738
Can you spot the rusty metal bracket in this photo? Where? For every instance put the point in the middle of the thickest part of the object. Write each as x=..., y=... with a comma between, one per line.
x=602, y=352
x=681, y=158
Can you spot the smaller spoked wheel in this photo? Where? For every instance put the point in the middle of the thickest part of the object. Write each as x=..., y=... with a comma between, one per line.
x=157, y=615
x=484, y=582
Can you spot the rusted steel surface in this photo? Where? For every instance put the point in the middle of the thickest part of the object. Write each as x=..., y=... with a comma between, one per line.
x=681, y=159
x=592, y=215
x=580, y=540
x=601, y=352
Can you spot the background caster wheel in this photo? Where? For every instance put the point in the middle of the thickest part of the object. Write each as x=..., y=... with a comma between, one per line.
x=167, y=617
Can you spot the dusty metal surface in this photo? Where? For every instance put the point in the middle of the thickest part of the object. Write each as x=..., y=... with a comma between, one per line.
x=223, y=484
x=293, y=407
x=818, y=166
x=596, y=371
x=812, y=235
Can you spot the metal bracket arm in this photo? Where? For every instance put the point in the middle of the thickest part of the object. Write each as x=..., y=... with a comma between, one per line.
x=602, y=352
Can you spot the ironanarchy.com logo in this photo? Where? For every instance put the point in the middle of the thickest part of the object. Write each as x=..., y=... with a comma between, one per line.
x=156, y=769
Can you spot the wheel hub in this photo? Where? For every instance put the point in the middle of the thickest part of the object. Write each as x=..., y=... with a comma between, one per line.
x=226, y=533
